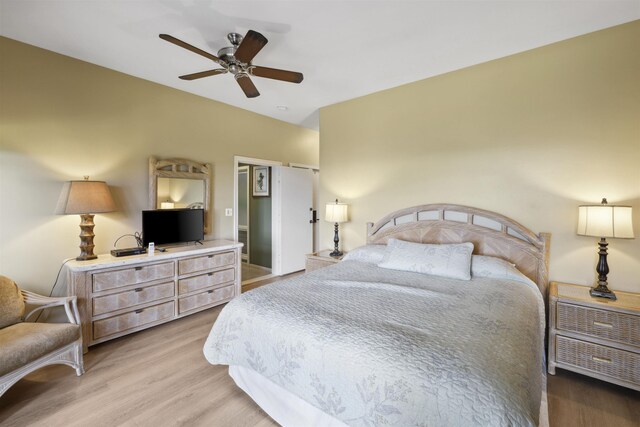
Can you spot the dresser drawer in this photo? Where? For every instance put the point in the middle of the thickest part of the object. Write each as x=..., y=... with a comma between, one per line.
x=132, y=276
x=205, y=298
x=618, y=327
x=206, y=262
x=134, y=319
x=619, y=364
x=205, y=280
x=131, y=298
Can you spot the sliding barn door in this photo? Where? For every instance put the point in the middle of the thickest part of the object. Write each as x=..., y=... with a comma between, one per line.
x=292, y=226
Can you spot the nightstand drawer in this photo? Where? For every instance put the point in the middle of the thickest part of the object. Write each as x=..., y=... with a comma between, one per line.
x=610, y=325
x=618, y=364
x=315, y=264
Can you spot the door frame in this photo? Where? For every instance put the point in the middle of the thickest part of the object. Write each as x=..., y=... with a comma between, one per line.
x=275, y=198
x=304, y=166
x=248, y=172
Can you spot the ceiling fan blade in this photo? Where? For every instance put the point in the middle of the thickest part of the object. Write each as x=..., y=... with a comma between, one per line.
x=187, y=46
x=202, y=74
x=247, y=85
x=251, y=44
x=275, y=74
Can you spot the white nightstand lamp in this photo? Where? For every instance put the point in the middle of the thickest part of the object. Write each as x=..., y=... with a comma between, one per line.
x=604, y=221
x=336, y=213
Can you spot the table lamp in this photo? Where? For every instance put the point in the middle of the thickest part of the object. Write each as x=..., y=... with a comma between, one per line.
x=604, y=220
x=85, y=198
x=336, y=213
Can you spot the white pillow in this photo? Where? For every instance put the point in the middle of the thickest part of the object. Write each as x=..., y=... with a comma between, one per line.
x=453, y=261
x=489, y=266
x=370, y=253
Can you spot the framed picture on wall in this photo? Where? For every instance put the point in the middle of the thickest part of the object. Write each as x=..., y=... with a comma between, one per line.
x=260, y=181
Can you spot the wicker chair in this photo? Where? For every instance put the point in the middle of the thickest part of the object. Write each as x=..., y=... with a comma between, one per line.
x=27, y=346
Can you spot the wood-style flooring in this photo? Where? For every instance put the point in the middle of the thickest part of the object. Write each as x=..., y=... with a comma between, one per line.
x=159, y=377
x=252, y=271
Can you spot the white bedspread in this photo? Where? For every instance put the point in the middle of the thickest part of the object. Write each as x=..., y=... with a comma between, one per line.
x=371, y=346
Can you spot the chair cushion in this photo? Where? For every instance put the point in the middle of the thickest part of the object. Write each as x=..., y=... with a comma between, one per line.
x=25, y=342
x=11, y=303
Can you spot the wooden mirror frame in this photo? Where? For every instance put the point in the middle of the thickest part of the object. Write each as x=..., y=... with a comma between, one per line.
x=185, y=169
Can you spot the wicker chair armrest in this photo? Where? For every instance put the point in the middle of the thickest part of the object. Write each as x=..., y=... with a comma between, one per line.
x=70, y=304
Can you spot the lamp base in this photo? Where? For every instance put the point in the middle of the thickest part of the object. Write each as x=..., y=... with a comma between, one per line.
x=336, y=239
x=86, y=238
x=602, y=292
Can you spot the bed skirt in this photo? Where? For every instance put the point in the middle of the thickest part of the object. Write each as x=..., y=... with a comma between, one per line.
x=289, y=410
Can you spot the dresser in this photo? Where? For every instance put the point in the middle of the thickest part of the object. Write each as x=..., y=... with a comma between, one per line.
x=595, y=336
x=321, y=259
x=119, y=296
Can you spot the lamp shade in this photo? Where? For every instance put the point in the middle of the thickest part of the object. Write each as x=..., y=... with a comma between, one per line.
x=605, y=221
x=336, y=212
x=85, y=197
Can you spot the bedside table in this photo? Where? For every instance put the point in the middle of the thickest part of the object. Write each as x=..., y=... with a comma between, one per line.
x=321, y=259
x=595, y=336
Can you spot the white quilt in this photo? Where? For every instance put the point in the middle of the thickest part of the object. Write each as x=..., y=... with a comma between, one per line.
x=371, y=346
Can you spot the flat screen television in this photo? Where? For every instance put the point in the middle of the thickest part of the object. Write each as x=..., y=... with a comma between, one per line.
x=164, y=226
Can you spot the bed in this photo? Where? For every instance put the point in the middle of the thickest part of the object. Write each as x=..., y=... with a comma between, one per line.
x=358, y=344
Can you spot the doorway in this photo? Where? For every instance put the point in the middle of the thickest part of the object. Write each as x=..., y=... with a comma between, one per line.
x=290, y=195
x=254, y=223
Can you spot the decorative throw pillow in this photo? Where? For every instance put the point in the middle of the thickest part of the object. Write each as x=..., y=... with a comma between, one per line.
x=11, y=303
x=373, y=254
x=453, y=261
x=489, y=266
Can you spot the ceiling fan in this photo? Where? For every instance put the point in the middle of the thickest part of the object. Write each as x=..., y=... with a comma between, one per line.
x=236, y=59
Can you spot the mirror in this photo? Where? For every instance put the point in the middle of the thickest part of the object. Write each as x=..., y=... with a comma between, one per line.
x=179, y=193
x=180, y=183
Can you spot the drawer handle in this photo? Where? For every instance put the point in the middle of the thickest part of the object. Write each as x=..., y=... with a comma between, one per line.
x=140, y=310
x=139, y=268
x=209, y=274
x=600, y=359
x=603, y=324
x=138, y=289
x=210, y=292
x=210, y=256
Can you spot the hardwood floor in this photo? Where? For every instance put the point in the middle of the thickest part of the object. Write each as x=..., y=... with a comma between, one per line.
x=155, y=377
x=251, y=271
x=159, y=377
x=578, y=400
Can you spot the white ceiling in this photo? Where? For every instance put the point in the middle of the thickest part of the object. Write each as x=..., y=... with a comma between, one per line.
x=345, y=49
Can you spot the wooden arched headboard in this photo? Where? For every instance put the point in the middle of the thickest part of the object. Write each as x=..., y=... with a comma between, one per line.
x=491, y=234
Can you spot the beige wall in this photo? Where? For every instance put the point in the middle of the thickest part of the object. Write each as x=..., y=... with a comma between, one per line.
x=62, y=118
x=530, y=136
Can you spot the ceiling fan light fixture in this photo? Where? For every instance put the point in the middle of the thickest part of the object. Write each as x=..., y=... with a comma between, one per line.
x=235, y=38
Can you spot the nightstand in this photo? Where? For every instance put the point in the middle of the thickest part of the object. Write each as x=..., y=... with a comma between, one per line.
x=595, y=336
x=321, y=259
